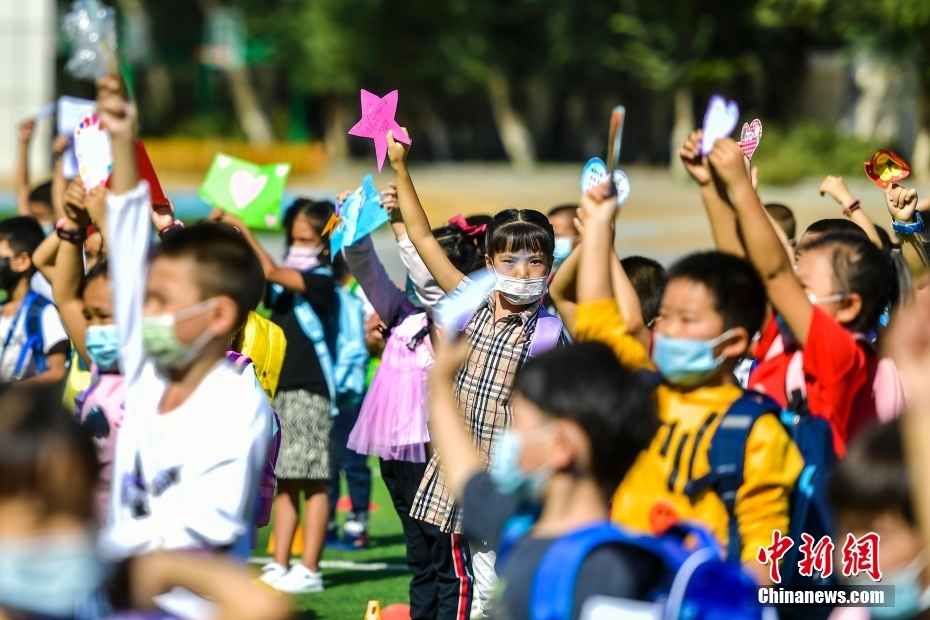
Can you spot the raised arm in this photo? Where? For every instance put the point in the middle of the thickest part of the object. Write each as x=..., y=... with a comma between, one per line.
x=836, y=188
x=21, y=180
x=596, y=212
x=126, y=227
x=59, y=182
x=381, y=292
x=418, y=227
x=902, y=206
x=763, y=247
x=69, y=267
x=45, y=255
x=716, y=202
x=563, y=290
x=449, y=436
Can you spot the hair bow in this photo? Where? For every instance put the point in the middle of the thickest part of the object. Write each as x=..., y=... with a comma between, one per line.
x=470, y=231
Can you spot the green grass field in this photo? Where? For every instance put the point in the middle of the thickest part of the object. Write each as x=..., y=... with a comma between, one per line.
x=348, y=591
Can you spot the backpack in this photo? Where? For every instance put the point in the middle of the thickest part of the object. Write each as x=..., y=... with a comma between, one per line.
x=267, y=479
x=264, y=343
x=809, y=507
x=346, y=374
x=700, y=585
x=32, y=307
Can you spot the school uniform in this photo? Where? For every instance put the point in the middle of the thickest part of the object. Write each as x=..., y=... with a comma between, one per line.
x=16, y=364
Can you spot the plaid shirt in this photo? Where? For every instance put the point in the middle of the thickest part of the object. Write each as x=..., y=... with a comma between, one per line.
x=482, y=390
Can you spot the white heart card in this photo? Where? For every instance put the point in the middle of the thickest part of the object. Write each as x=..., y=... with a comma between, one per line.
x=244, y=187
x=719, y=122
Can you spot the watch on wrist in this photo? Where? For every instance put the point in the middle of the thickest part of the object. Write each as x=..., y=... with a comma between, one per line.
x=909, y=228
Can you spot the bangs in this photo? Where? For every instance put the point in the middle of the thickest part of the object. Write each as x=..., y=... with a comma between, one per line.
x=520, y=236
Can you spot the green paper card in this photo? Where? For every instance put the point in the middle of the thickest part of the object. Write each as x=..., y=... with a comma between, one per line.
x=247, y=190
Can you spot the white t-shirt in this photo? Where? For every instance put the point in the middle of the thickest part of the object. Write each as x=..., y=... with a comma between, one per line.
x=186, y=478
x=11, y=344
x=41, y=285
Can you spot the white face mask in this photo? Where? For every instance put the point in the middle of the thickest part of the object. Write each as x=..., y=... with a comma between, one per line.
x=519, y=291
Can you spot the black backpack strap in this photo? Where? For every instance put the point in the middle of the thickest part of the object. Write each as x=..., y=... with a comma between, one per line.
x=727, y=457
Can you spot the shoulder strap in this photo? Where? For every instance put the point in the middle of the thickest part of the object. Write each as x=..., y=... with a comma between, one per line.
x=727, y=456
x=312, y=326
x=35, y=338
x=546, y=336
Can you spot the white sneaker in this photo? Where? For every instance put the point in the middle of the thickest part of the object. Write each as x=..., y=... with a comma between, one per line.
x=272, y=572
x=299, y=580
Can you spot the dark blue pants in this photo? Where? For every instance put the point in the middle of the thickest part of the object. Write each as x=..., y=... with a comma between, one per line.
x=350, y=463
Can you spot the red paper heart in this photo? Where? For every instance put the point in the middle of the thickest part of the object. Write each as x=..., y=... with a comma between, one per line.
x=750, y=137
x=886, y=168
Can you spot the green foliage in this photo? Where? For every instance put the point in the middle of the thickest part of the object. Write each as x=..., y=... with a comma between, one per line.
x=810, y=150
x=215, y=124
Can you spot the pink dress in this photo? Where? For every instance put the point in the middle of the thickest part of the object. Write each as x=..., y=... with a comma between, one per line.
x=392, y=423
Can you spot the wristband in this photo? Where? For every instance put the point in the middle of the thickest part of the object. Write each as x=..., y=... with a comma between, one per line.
x=174, y=224
x=847, y=211
x=912, y=228
x=72, y=236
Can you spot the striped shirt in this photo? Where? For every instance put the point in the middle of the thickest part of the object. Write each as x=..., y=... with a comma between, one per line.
x=482, y=389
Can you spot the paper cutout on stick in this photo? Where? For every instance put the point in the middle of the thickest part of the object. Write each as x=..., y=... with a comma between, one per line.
x=886, y=168
x=377, y=119
x=750, y=137
x=147, y=172
x=360, y=214
x=91, y=29
x=93, y=151
x=69, y=111
x=595, y=173
x=719, y=122
x=247, y=190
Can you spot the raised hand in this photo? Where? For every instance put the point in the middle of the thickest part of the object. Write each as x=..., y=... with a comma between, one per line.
x=389, y=198
x=728, y=162
x=837, y=190
x=25, y=129
x=163, y=215
x=60, y=145
x=901, y=203
x=695, y=164
x=96, y=203
x=74, y=204
x=397, y=151
x=597, y=208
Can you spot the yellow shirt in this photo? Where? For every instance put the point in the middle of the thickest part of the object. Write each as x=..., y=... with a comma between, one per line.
x=652, y=496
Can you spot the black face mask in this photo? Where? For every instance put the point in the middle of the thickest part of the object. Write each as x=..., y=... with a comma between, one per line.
x=8, y=277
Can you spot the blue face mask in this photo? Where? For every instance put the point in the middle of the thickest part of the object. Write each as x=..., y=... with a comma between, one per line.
x=910, y=597
x=103, y=346
x=563, y=248
x=687, y=362
x=505, y=468
x=49, y=575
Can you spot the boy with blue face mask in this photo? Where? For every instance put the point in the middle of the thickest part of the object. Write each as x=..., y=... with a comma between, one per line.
x=711, y=306
x=197, y=428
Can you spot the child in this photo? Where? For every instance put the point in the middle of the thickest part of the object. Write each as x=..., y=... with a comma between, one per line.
x=712, y=305
x=196, y=431
x=519, y=246
x=302, y=402
x=827, y=303
x=871, y=492
x=34, y=343
x=648, y=279
x=562, y=219
x=48, y=564
x=580, y=421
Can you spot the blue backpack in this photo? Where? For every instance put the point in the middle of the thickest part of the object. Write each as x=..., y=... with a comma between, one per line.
x=699, y=584
x=30, y=311
x=810, y=511
x=346, y=374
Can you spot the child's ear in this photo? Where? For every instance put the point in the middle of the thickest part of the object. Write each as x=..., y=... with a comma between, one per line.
x=21, y=263
x=224, y=318
x=568, y=450
x=737, y=344
x=849, y=309
x=488, y=262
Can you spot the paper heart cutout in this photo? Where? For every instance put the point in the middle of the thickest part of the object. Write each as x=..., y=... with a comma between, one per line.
x=244, y=187
x=623, y=187
x=281, y=170
x=222, y=161
x=886, y=168
x=593, y=174
x=750, y=136
x=719, y=121
x=93, y=152
x=271, y=220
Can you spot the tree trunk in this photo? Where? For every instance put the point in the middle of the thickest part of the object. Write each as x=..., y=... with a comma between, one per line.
x=684, y=125
x=335, y=128
x=514, y=135
x=251, y=117
x=437, y=133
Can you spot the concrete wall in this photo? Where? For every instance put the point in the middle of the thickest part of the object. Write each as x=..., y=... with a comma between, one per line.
x=27, y=68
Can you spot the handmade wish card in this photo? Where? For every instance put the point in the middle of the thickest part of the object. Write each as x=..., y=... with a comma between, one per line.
x=247, y=190
x=360, y=215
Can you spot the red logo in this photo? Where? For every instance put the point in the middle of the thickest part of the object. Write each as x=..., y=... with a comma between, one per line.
x=773, y=553
x=817, y=557
x=861, y=556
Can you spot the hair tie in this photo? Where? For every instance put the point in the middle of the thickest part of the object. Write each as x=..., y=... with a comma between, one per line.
x=470, y=231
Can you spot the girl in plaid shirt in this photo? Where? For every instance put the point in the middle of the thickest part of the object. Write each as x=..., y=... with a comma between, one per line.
x=519, y=246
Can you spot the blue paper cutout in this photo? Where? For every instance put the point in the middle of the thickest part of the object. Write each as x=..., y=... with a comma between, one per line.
x=361, y=215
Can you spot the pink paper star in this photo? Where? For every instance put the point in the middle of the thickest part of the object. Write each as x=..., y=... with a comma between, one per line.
x=378, y=119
